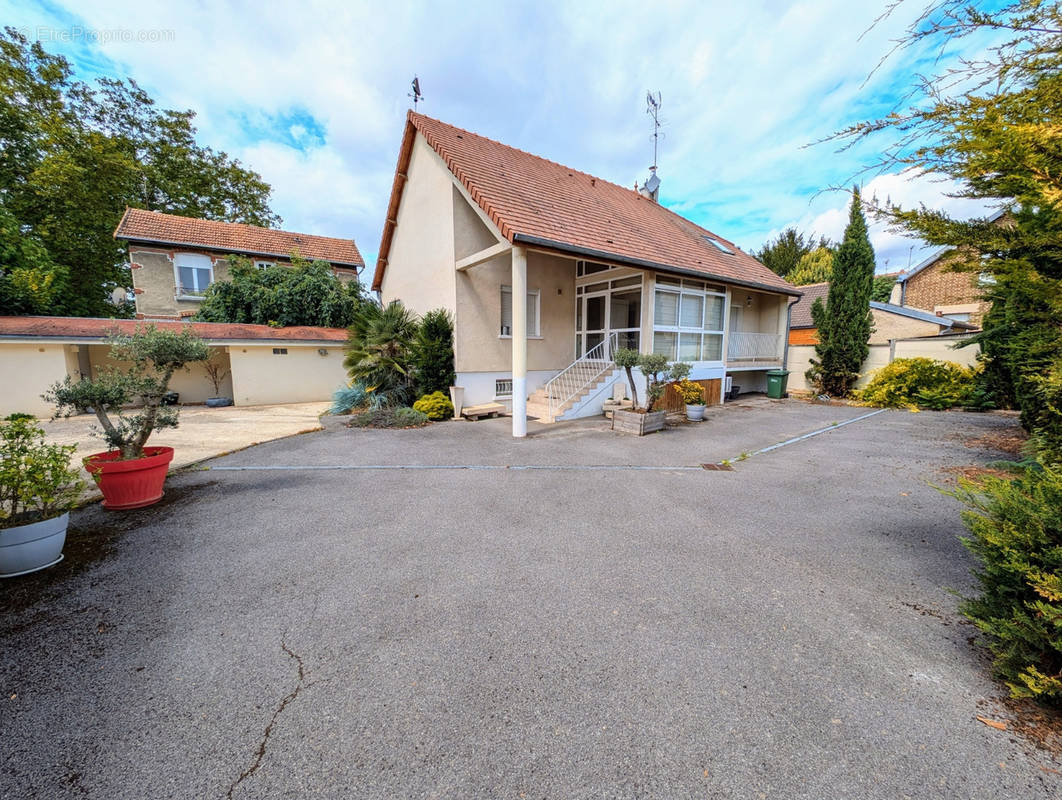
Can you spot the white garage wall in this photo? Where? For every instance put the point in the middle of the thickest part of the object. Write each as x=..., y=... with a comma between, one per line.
x=302, y=375
x=28, y=370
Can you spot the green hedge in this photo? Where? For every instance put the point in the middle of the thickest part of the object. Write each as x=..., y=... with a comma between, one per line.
x=1016, y=534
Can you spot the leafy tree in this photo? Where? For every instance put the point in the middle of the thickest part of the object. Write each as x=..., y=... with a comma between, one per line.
x=991, y=123
x=433, y=353
x=815, y=267
x=844, y=322
x=881, y=291
x=380, y=353
x=782, y=254
x=28, y=277
x=73, y=156
x=307, y=293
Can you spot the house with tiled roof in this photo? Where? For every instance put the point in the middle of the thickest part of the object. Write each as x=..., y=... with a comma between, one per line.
x=548, y=270
x=891, y=321
x=174, y=259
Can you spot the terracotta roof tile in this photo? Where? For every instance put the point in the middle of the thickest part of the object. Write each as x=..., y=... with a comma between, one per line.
x=138, y=225
x=801, y=316
x=92, y=327
x=534, y=200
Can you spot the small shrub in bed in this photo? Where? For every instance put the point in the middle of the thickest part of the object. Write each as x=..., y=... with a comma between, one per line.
x=389, y=418
x=436, y=405
x=346, y=399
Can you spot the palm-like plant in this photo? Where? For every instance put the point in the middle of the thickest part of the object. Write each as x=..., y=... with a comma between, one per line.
x=380, y=352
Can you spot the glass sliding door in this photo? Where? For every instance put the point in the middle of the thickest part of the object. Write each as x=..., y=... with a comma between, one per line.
x=607, y=310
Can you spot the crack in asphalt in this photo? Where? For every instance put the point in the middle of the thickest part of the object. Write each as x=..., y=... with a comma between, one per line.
x=260, y=753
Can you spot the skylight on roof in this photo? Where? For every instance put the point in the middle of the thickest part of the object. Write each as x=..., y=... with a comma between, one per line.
x=719, y=245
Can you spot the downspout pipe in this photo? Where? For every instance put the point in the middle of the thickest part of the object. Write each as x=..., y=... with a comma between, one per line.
x=785, y=341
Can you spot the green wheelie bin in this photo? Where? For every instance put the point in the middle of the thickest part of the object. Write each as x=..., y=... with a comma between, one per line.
x=776, y=382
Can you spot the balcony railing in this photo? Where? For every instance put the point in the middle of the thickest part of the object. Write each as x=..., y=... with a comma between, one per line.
x=746, y=346
x=188, y=293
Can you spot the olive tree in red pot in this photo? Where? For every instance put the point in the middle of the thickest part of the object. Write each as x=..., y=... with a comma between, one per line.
x=131, y=475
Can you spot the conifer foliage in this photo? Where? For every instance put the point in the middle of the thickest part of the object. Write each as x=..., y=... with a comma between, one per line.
x=844, y=322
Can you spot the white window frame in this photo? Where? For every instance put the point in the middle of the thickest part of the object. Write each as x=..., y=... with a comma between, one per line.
x=691, y=288
x=264, y=264
x=531, y=334
x=177, y=285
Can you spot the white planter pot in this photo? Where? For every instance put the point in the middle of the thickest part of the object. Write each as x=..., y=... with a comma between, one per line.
x=28, y=548
x=695, y=413
x=457, y=397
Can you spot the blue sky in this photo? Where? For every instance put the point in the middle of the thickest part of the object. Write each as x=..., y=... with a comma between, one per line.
x=313, y=96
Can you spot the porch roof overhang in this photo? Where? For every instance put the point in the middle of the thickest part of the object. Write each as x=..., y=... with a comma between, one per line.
x=570, y=249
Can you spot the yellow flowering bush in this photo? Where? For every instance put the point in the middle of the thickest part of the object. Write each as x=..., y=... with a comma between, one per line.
x=919, y=382
x=691, y=392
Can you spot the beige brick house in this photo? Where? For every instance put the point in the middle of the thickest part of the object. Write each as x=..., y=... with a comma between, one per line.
x=935, y=287
x=174, y=259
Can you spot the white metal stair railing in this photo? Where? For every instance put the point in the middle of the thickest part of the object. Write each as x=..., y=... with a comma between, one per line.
x=580, y=375
x=754, y=346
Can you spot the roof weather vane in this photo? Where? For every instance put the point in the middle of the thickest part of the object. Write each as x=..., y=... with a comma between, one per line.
x=415, y=94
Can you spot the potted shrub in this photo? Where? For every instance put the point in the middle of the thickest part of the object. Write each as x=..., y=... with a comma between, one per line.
x=692, y=395
x=216, y=373
x=38, y=487
x=131, y=474
x=645, y=420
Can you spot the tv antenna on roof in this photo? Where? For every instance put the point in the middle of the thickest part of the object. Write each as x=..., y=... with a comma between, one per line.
x=415, y=94
x=652, y=108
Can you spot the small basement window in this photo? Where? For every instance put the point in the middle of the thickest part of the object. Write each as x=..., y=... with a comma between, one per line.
x=280, y=351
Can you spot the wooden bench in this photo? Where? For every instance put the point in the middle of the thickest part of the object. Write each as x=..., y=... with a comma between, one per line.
x=482, y=411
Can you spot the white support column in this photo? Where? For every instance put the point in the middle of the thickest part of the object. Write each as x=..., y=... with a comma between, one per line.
x=519, y=342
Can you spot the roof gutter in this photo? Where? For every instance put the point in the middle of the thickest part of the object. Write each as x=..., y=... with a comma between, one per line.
x=521, y=238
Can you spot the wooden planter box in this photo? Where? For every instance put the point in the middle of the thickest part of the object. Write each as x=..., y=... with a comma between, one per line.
x=639, y=424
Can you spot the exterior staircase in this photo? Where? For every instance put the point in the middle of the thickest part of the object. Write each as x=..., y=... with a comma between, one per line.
x=567, y=388
x=589, y=376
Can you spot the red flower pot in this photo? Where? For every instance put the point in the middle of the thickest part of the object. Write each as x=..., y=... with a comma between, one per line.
x=130, y=484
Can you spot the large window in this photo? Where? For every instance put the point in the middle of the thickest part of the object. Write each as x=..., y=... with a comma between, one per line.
x=533, y=305
x=195, y=272
x=688, y=320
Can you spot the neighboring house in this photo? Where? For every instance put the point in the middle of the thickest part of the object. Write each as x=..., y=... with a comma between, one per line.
x=890, y=321
x=547, y=270
x=934, y=287
x=174, y=259
x=43, y=350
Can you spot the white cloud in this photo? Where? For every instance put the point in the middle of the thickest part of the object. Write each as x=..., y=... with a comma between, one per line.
x=744, y=87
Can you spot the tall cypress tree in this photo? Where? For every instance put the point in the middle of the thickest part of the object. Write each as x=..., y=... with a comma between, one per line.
x=844, y=323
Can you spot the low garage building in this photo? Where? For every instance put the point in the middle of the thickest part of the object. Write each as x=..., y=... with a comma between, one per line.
x=260, y=365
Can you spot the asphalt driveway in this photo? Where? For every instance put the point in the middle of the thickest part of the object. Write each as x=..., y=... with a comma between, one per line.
x=579, y=614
